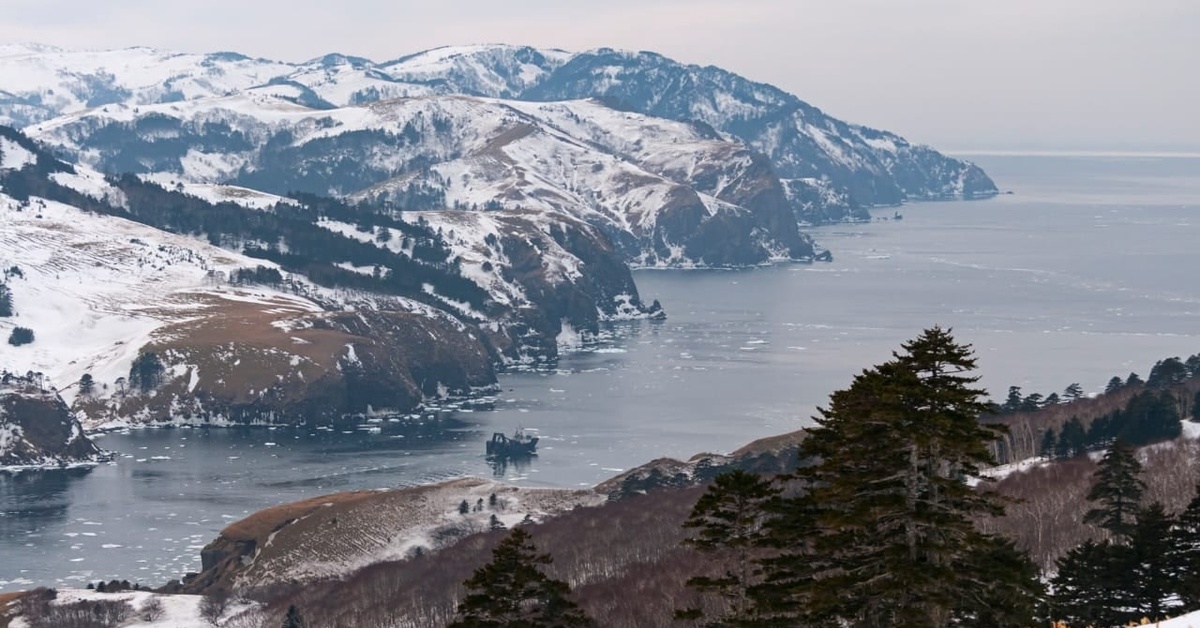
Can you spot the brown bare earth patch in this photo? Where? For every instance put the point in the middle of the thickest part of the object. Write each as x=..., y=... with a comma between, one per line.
x=772, y=444
x=237, y=322
x=237, y=346
x=8, y=603
x=254, y=357
x=494, y=148
x=259, y=525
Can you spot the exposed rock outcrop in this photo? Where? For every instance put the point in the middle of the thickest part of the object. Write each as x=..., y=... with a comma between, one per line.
x=37, y=429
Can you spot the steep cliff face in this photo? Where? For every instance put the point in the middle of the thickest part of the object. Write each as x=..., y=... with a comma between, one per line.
x=37, y=429
x=563, y=264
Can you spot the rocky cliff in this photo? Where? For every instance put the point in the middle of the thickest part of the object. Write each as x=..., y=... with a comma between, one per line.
x=37, y=429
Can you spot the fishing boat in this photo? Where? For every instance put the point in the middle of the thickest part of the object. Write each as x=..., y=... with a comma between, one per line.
x=518, y=445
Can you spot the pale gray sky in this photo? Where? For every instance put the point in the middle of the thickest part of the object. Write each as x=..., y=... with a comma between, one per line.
x=958, y=74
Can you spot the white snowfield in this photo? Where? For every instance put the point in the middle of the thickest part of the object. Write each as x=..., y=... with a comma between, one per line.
x=94, y=289
x=62, y=79
x=178, y=611
x=13, y=156
x=59, y=76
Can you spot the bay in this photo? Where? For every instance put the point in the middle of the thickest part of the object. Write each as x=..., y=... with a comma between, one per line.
x=1086, y=271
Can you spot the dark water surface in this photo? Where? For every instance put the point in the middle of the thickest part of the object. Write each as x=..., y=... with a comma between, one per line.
x=1086, y=272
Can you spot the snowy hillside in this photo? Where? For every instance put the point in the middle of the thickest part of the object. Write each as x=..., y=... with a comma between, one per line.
x=830, y=169
x=669, y=193
x=95, y=288
x=40, y=82
x=243, y=338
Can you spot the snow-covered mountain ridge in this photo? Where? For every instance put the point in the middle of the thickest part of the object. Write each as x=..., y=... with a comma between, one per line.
x=666, y=192
x=829, y=169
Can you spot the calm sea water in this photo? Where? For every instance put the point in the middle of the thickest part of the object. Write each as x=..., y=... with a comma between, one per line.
x=1085, y=272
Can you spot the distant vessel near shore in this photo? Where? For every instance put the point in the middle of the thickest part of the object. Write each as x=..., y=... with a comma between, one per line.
x=518, y=445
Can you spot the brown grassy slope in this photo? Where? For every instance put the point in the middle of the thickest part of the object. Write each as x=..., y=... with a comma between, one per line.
x=771, y=445
x=624, y=559
x=335, y=535
x=594, y=549
x=260, y=358
x=8, y=607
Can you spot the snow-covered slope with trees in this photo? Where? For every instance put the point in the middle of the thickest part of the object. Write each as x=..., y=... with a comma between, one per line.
x=334, y=305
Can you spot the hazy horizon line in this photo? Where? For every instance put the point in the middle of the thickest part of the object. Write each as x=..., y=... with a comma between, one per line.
x=1035, y=152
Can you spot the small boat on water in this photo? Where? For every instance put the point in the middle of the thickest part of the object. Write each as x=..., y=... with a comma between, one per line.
x=518, y=445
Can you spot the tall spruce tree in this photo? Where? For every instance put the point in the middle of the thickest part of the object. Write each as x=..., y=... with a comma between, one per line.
x=293, y=618
x=1049, y=443
x=889, y=503
x=146, y=372
x=728, y=523
x=1118, y=492
x=1185, y=538
x=1153, y=574
x=6, y=304
x=512, y=592
x=1007, y=588
x=1090, y=586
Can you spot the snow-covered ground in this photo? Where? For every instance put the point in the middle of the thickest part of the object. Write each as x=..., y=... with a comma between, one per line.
x=178, y=611
x=94, y=289
x=183, y=611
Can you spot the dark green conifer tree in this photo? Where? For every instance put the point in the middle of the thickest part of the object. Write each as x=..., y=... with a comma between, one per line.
x=888, y=500
x=1090, y=586
x=1049, y=443
x=1185, y=537
x=512, y=592
x=294, y=619
x=1153, y=574
x=728, y=523
x=6, y=305
x=1073, y=440
x=1013, y=401
x=1118, y=492
x=146, y=372
x=1008, y=589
